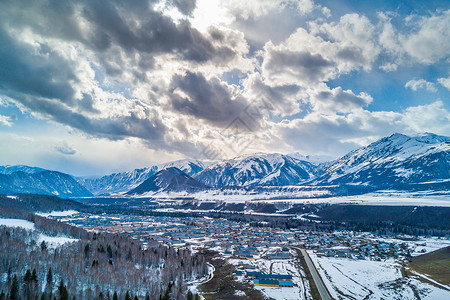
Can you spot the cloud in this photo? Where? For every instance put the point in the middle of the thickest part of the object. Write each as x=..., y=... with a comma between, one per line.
x=421, y=84
x=429, y=41
x=283, y=66
x=7, y=120
x=65, y=149
x=338, y=134
x=259, y=8
x=445, y=82
x=186, y=7
x=327, y=100
x=210, y=100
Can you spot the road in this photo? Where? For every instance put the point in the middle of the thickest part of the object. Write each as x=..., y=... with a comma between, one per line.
x=315, y=275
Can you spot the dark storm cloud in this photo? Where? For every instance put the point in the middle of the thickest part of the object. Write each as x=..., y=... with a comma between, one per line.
x=296, y=67
x=118, y=36
x=208, y=100
x=134, y=28
x=340, y=100
x=65, y=149
x=42, y=75
x=186, y=7
x=115, y=128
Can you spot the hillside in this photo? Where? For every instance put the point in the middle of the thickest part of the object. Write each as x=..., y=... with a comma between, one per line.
x=42, y=182
x=435, y=264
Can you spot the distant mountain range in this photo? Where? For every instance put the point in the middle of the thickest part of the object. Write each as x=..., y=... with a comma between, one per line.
x=125, y=181
x=23, y=179
x=391, y=162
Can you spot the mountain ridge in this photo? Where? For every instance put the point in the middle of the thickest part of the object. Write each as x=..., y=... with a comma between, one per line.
x=392, y=161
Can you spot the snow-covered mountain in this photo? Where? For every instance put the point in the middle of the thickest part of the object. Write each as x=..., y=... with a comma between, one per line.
x=26, y=169
x=170, y=179
x=124, y=181
x=260, y=169
x=397, y=161
x=392, y=161
x=314, y=159
x=40, y=182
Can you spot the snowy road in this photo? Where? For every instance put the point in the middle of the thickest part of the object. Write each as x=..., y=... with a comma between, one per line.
x=317, y=280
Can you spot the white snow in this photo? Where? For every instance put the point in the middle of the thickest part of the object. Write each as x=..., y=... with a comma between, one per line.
x=53, y=242
x=64, y=213
x=17, y=223
x=372, y=279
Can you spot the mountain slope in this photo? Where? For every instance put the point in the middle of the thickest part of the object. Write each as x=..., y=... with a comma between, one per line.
x=261, y=169
x=125, y=181
x=26, y=169
x=168, y=180
x=391, y=161
x=44, y=182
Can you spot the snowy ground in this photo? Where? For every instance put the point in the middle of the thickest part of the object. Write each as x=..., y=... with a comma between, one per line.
x=51, y=241
x=194, y=284
x=55, y=241
x=422, y=245
x=358, y=279
x=17, y=223
x=65, y=213
x=296, y=194
x=277, y=266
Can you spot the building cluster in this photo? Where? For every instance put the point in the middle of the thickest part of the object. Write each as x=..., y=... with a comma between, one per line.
x=354, y=246
x=240, y=240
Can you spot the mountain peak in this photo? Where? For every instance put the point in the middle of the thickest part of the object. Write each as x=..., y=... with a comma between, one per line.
x=169, y=179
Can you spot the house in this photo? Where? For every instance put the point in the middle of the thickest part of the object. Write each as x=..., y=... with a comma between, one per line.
x=272, y=282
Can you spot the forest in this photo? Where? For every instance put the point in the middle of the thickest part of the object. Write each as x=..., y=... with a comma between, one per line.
x=96, y=265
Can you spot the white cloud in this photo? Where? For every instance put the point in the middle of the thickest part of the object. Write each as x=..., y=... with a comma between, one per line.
x=445, y=82
x=5, y=121
x=337, y=134
x=337, y=100
x=429, y=41
x=416, y=84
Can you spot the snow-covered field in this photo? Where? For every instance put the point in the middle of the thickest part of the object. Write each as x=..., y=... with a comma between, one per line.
x=363, y=279
x=52, y=242
x=293, y=194
x=422, y=245
x=65, y=213
x=55, y=241
x=17, y=223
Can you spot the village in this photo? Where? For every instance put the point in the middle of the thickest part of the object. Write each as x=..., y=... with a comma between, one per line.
x=263, y=256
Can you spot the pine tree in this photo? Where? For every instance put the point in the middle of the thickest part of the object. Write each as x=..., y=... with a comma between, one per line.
x=63, y=294
x=189, y=295
x=115, y=297
x=34, y=276
x=127, y=296
x=86, y=250
x=27, y=277
x=49, y=276
x=14, y=294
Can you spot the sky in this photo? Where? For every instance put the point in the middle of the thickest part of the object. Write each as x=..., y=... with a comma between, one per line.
x=94, y=87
